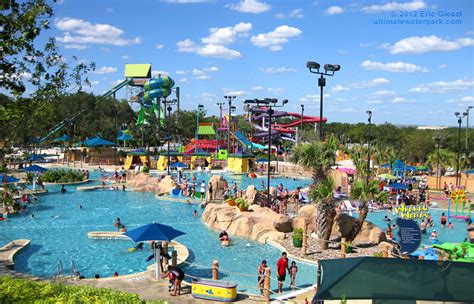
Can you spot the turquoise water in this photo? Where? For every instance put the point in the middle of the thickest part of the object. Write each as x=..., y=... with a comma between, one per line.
x=455, y=235
x=59, y=231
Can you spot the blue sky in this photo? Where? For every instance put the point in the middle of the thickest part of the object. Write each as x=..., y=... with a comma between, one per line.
x=405, y=73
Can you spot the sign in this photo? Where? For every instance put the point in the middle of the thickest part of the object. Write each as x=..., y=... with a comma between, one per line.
x=412, y=212
x=409, y=235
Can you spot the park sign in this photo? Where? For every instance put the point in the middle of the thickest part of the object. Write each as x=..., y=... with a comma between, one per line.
x=411, y=212
x=409, y=235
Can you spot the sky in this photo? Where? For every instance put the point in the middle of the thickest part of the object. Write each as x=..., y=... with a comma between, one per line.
x=409, y=62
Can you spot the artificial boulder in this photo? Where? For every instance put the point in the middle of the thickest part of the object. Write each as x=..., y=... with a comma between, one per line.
x=344, y=227
x=217, y=182
x=251, y=195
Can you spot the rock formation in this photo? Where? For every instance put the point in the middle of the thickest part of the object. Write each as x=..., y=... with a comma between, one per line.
x=251, y=195
x=343, y=226
x=217, y=182
x=144, y=182
x=258, y=223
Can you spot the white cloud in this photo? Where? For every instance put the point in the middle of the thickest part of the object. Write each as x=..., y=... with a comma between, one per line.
x=442, y=66
x=272, y=70
x=76, y=46
x=462, y=100
x=109, y=10
x=104, y=49
x=309, y=98
x=296, y=13
x=79, y=31
x=180, y=72
x=333, y=10
x=276, y=38
x=250, y=6
x=235, y=93
x=392, y=66
x=94, y=82
x=209, y=50
x=156, y=73
x=384, y=93
x=441, y=87
x=369, y=83
x=339, y=88
x=399, y=100
x=125, y=57
x=277, y=91
x=367, y=44
x=159, y=46
x=116, y=82
x=184, y=80
x=342, y=52
x=257, y=88
x=227, y=35
x=426, y=44
x=395, y=6
x=212, y=69
x=105, y=70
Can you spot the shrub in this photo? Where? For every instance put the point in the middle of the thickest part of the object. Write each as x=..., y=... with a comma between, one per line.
x=298, y=234
x=26, y=291
x=145, y=169
x=62, y=176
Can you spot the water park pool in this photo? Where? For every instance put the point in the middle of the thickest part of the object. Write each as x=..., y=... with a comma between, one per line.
x=454, y=235
x=59, y=230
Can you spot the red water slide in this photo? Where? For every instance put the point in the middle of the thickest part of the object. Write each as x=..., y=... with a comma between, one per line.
x=297, y=122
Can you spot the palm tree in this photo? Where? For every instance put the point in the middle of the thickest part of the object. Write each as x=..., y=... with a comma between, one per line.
x=364, y=193
x=322, y=194
x=317, y=156
x=358, y=155
x=446, y=159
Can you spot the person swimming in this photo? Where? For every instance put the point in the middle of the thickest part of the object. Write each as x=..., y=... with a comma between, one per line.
x=63, y=190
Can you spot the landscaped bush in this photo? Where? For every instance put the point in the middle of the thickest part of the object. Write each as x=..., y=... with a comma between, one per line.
x=62, y=176
x=27, y=291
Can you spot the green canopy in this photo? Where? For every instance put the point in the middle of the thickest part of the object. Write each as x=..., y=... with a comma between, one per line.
x=206, y=130
x=386, y=176
x=396, y=280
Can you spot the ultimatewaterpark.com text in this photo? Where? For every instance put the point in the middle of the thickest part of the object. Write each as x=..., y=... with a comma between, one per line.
x=422, y=18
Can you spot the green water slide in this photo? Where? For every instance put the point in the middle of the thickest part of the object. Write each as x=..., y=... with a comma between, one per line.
x=112, y=91
x=60, y=125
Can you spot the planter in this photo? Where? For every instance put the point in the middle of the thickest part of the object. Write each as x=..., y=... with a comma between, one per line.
x=231, y=203
x=298, y=243
x=243, y=209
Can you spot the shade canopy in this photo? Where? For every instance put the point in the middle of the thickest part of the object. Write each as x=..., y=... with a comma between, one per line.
x=10, y=179
x=97, y=142
x=395, y=279
x=349, y=171
x=35, y=157
x=397, y=186
x=153, y=232
x=178, y=165
x=35, y=168
x=261, y=160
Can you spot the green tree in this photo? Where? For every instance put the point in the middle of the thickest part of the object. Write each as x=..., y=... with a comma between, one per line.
x=322, y=194
x=364, y=193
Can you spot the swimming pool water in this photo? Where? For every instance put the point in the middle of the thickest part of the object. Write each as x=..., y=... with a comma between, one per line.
x=455, y=235
x=59, y=230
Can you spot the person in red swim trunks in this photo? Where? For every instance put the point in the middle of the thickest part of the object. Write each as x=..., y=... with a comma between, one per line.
x=282, y=267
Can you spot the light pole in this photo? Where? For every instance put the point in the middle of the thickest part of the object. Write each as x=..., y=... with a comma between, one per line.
x=168, y=104
x=329, y=70
x=369, y=113
x=229, y=101
x=301, y=123
x=459, y=117
x=199, y=111
x=438, y=140
x=270, y=103
x=467, y=127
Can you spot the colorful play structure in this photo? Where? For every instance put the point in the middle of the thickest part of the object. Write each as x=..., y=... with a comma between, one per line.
x=458, y=199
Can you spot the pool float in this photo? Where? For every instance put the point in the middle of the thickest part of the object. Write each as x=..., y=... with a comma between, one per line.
x=253, y=175
x=133, y=249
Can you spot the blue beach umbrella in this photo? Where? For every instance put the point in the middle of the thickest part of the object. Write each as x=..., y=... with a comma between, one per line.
x=10, y=179
x=35, y=168
x=153, y=232
x=398, y=186
x=178, y=165
x=261, y=160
